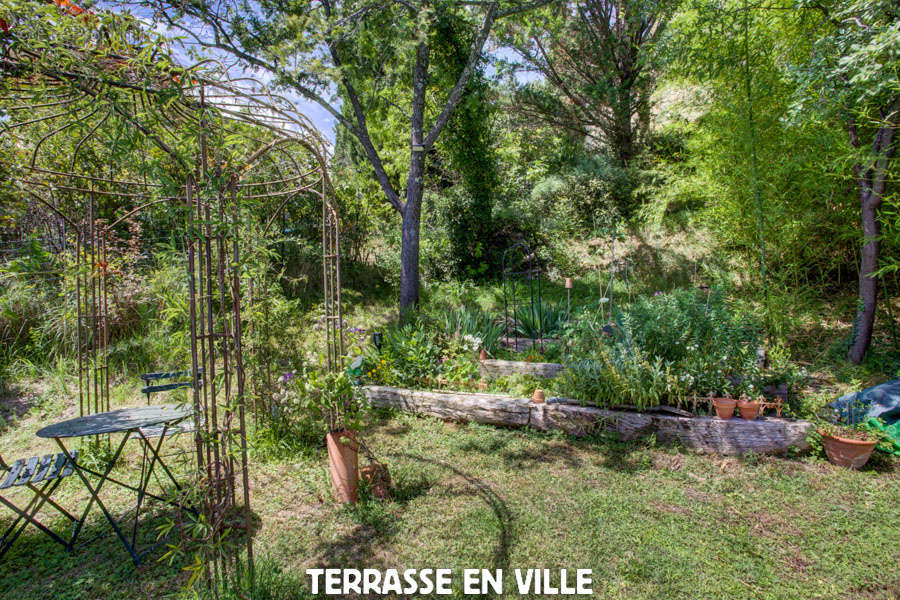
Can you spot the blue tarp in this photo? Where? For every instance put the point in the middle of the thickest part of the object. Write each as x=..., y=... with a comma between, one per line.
x=881, y=401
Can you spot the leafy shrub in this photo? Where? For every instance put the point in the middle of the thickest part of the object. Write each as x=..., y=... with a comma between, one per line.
x=306, y=406
x=669, y=347
x=618, y=375
x=570, y=200
x=458, y=362
x=409, y=354
x=682, y=323
x=417, y=353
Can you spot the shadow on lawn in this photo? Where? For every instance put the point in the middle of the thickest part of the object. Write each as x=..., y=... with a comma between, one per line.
x=505, y=447
x=99, y=566
x=547, y=448
x=14, y=404
x=36, y=567
x=487, y=495
x=378, y=523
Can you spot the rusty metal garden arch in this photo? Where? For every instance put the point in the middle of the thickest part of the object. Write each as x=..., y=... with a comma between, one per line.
x=191, y=117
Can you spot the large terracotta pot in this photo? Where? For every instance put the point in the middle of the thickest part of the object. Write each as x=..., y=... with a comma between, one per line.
x=749, y=410
x=724, y=407
x=845, y=452
x=343, y=462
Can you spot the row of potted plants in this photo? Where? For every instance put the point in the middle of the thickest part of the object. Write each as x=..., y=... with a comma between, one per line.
x=748, y=409
x=845, y=445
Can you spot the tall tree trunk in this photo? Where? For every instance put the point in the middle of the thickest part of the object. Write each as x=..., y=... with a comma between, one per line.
x=868, y=284
x=623, y=140
x=872, y=179
x=409, y=235
x=415, y=186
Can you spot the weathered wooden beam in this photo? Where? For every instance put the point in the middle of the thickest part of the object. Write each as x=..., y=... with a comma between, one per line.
x=491, y=409
x=501, y=368
x=706, y=434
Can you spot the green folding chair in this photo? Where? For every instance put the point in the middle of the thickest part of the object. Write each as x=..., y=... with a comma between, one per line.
x=40, y=476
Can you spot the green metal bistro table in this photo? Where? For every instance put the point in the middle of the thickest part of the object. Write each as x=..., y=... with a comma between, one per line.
x=130, y=422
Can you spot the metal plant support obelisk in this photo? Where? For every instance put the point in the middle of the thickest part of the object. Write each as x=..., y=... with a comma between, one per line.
x=331, y=260
x=92, y=312
x=217, y=362
x=521, y=264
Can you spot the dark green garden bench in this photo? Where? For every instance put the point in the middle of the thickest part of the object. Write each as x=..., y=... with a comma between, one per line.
x=41, y=476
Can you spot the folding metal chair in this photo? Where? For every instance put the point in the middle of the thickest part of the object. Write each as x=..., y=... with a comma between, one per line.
x=154, y=384
x=41, y=475
x=183, y=381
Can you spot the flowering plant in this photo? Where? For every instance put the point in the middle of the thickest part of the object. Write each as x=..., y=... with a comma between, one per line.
x=409, y=355
x=327, y=400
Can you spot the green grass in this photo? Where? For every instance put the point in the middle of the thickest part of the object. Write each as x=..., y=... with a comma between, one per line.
x=650, y=521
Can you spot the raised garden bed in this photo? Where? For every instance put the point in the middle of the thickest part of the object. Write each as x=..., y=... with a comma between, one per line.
x=706, y=434
x=501, y=368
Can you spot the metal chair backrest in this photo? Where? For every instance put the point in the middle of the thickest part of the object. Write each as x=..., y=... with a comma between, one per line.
x=183, y=377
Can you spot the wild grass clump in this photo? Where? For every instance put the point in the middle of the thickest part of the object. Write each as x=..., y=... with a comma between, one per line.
x=546, y=319
x=472, y=322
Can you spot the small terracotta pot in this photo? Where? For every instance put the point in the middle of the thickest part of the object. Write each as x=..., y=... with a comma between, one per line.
x=482, y=355
x=378, y=479
x=724, y=407
x=748, y=410
x=538, y=396
x=343, y=461
x=845, y=452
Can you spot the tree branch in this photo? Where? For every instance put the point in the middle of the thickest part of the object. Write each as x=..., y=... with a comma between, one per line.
x=464, y=77
x=361, y=131
x=520, y=8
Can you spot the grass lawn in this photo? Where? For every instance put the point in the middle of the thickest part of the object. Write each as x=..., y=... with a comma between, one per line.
x=650, y=521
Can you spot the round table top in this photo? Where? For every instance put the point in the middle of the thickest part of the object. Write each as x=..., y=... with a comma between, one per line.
x=125, y=419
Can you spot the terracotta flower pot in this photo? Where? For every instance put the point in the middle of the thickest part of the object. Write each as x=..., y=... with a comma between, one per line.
x=538, y=396
x=749, y=410
x=343, y=461
x=378, y=478
x=845, y=452
x=724, y=407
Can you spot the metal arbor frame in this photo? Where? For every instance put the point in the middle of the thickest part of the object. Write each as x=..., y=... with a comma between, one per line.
x=283, y=158
x=521, y=264
x=331, y=261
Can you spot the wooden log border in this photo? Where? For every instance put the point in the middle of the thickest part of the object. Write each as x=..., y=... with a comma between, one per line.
x=705, y=434
x=500, y=368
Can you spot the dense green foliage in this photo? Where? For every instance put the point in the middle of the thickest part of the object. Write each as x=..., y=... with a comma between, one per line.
x=670, y=348
x=719, y=83
x=416, y=354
